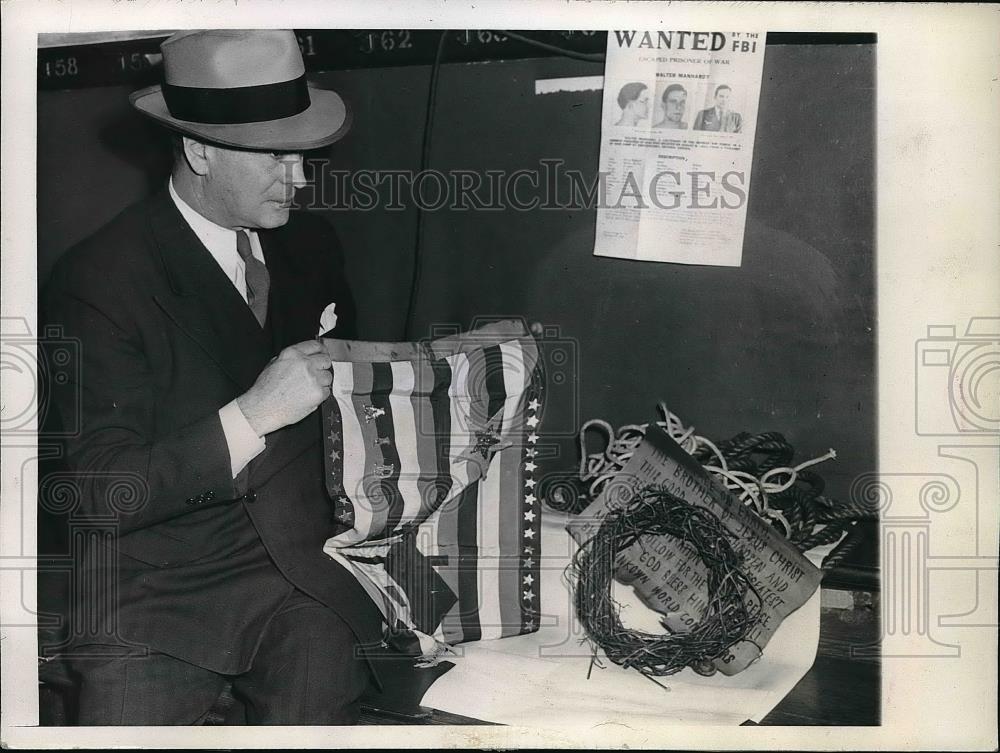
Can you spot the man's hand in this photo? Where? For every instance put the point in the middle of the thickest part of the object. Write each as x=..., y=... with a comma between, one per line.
x=289, y=388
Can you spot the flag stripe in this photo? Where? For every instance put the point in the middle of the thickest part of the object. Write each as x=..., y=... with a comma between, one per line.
x=383, y=481
x=488, y=520
x=441, y=415
x=494, y=368
x=361, y=487
x=354, y=452
x=459, y=407
x=488, y=551
x=466, y=520
x=369, y=492
x=330, y=411
x=511, y=493
x=408, y=443
x=428, y=545
x=425, y=439
x=449, y=525
x=447, y=541
x=476, y=378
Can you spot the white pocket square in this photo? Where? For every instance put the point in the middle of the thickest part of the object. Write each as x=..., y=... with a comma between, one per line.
x=328, y=319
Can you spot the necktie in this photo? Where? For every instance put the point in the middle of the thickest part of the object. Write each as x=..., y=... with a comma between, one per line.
x=257, y=279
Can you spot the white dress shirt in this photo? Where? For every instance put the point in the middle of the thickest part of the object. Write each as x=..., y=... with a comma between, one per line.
x=243, y=442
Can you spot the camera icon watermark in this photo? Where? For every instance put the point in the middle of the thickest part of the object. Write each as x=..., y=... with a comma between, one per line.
x=958, y=379
x=36, y=371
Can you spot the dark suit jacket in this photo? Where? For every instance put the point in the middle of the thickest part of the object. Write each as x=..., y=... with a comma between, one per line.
x=708, y=120
x=200, y=561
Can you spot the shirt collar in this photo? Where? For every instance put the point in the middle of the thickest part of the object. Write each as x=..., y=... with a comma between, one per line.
x=220, y=241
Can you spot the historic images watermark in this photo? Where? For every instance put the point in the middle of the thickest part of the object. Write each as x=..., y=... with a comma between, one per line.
x=92, y=504
x=956, y=408
x=38, y=366
x=958, y=380
x=550, y=186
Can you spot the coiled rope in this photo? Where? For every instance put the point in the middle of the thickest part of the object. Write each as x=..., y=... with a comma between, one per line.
x=757, y=468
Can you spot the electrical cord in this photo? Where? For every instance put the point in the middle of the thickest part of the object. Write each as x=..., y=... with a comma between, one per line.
x=425, y=152
x=415, y=279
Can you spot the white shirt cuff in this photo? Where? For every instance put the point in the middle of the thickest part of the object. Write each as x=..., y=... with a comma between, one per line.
x=244, y=444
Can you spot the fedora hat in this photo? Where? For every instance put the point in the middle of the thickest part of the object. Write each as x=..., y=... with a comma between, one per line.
x=242, y=88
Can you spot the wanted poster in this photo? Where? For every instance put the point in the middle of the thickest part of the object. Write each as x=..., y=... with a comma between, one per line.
x=677, y=135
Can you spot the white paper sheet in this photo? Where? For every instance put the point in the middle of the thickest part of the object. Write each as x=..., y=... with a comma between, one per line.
x=677, y=134
x=540, y=680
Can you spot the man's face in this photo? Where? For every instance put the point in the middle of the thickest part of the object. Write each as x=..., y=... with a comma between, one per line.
x=674, y=106
x=722, y=99
x=251, y=189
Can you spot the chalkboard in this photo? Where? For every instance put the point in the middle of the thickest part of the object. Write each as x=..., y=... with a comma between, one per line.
x=84, y=60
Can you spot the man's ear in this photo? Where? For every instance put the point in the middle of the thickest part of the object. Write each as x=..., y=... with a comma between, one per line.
x=196, y=155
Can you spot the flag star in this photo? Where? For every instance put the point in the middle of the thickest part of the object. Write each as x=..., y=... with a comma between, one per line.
x=336, y=488
x=529, y=516
x=534, y=404
x=528, y=595
x=532, y=438
x=334, y=436
x=529, y=562
x=485, y=442
x=532, y=421
x=334, y=455
x=529, y=482
x=530, y=466
x=529, y=534
x=372, y=412
x=529, y=579
x=531, y=452
x=529, y=550
x=529, y=625
x=530, y=499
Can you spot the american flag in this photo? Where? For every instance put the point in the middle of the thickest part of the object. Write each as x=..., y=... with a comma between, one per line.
x=430, y=451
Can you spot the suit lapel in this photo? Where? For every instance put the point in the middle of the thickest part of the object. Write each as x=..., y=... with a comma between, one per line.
x=204, y=302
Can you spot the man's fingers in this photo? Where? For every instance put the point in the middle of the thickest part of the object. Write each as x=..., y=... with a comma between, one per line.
x=319, y=361
x=309, y=347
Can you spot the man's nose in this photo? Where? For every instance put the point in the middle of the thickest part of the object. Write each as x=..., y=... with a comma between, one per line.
x=298, y=175
x=294, y=174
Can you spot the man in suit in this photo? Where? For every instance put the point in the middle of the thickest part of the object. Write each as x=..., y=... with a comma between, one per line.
x=720, y=117
x=197, y=313
x=674, y=102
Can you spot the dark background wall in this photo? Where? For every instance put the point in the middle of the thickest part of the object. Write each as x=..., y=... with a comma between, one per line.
x=783, y=343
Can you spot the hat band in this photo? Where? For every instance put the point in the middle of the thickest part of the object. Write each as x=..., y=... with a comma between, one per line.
x=242, y=104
